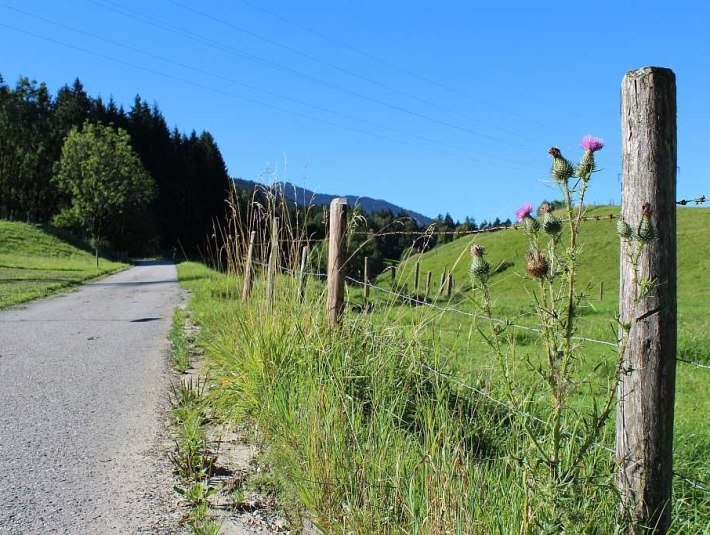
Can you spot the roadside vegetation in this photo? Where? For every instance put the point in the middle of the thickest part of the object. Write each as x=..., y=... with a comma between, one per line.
x=35, y=263
x=399, y=421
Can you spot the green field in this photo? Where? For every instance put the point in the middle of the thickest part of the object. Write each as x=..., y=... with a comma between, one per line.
x=388, y=426
x=34, y=263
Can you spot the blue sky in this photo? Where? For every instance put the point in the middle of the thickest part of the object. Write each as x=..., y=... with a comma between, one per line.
x=445, y=106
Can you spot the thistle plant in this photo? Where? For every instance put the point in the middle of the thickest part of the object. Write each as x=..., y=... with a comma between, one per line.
x=561, y=439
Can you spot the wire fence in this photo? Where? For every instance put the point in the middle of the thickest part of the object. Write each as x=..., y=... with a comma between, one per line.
x=415, y=300
x=702, y=199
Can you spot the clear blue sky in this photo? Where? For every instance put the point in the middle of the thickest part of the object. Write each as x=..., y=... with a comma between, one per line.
x=436, y=106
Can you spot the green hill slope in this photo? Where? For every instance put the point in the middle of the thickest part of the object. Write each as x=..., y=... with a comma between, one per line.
x=599, y=270
x=34, y=263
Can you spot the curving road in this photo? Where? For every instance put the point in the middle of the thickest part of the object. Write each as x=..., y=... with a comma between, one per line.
x=83, y=382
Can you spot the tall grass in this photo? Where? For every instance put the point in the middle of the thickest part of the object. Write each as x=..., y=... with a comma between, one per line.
x=368, y=430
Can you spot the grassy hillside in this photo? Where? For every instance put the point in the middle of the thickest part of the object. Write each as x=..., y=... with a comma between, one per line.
x=600, y=268
x=34, y=263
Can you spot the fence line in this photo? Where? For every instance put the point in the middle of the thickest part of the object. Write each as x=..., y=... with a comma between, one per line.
x=453, y=310
x=693, y=482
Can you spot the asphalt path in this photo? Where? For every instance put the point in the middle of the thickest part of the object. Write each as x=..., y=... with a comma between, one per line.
x=83, y=382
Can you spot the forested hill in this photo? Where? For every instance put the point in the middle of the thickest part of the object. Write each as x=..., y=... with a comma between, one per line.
x=190, y=176
x=305, y=197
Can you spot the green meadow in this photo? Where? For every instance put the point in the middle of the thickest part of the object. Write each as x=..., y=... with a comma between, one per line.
x=35, y=263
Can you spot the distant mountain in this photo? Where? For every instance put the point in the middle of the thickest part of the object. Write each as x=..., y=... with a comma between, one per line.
x=305, y=196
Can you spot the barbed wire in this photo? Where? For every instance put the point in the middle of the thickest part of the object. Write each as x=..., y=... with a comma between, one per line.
x=453, y=310
x=698, y=200
x=433, y=232
x=693, y=363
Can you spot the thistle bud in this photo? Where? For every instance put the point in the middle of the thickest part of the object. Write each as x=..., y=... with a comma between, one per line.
x=480, y=268
x=551, y=224
x=646, y=232
x=531, y=224
x=537, y=264
x=623, y=229
x=562, y=169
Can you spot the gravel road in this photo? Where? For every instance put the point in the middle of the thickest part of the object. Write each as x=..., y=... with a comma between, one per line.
x=83, y=425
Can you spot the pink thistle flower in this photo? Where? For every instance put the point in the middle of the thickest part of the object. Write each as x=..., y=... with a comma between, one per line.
x=592, y=143
x=524, y=211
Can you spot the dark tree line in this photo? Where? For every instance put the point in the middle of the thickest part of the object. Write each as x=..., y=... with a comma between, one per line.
x=188, y=169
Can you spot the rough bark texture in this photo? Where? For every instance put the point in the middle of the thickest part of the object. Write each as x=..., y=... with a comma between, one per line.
x=644, y=426
x=336, y=258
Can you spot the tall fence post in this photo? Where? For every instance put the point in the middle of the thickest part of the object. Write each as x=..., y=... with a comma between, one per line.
x=273, y=262
x=646, y=393
x=416, y=279
x=365, y=279
x=248, y=267
x=427, y=287
x=450, y=285
x=336, y=259
x=302, y=275
x=443, y=281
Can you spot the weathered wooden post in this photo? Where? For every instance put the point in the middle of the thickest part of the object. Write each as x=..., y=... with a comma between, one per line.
x=443, y=281
x=646, y=393
x=450, y=285
x=601, y=291
x=365, y=280
x=427, y=287
x=416, y=279
x=302, y=275
x=336, y=259
x=248, y=267
x=273, y=262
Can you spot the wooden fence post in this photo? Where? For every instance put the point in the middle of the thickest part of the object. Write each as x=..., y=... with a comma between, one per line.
x=365, y=281
x=601, y=291
x=427, y=287
x=248, y=267
x=336, y=259
x=646, y=393
x=273, y=262
x=443, y=281
x=416, y=279
x=450, y=285
x=302, y=275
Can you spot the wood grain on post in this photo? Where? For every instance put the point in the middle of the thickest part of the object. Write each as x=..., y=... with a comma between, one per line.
x=427, y=287
x=365, y=281
x=273, y=262
x=249, y=268
x=336, y=259
x=302, y=274
x=450, y=284
x=646, y=393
